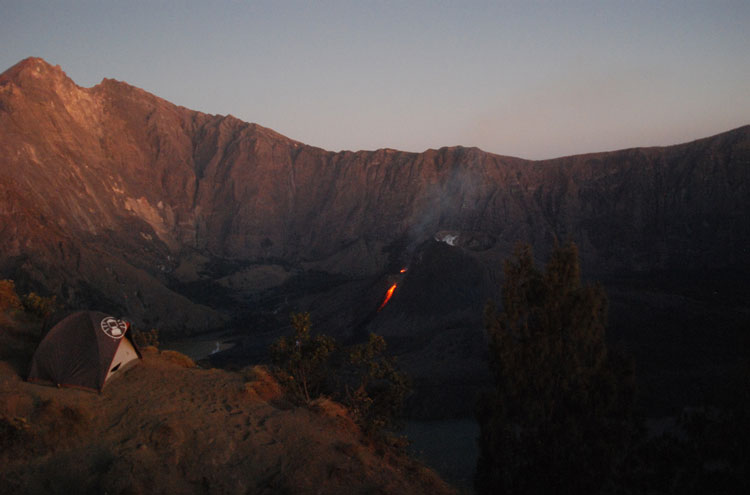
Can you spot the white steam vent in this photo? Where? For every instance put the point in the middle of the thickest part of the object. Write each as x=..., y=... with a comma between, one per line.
x=449, y=239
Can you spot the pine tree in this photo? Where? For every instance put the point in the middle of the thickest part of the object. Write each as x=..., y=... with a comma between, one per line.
x=559, y=417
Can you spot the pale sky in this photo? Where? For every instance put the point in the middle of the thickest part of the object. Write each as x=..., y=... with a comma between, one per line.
x=534, y=79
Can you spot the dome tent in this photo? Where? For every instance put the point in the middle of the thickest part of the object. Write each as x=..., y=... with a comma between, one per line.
x=84, y=350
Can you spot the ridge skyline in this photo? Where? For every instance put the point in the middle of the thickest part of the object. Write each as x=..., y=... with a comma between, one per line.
x=527, y=79
x=56, y=67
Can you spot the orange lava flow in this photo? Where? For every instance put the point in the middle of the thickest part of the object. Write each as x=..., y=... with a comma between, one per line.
x=388, y=296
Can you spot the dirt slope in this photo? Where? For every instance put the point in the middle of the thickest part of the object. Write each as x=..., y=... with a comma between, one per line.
x=163, y=427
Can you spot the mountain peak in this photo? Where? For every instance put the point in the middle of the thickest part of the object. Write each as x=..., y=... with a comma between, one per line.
x=34, y=69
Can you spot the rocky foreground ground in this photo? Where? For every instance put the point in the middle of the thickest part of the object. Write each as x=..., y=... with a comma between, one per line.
x=166, y=426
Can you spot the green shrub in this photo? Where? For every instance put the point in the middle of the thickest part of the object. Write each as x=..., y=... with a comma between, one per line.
x=377, y=397
x=32, y=303
x=9, y=299
x=38, y=305
x=303, y=359
x=362, y=377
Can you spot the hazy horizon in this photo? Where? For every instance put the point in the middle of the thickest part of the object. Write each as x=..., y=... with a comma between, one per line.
x=535, y=80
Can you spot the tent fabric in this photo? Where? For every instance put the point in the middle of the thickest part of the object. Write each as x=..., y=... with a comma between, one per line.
x=126, y=353
x=84, y=350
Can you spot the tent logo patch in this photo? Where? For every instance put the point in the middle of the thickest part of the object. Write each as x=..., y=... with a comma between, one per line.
x=113, y=327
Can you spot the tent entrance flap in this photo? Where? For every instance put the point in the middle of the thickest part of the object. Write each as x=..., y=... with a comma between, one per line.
x=124, y=358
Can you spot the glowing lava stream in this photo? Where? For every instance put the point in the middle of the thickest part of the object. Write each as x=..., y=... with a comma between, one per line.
x=388, y=296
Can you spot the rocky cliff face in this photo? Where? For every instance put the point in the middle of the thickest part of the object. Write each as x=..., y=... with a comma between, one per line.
x=112, y=197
